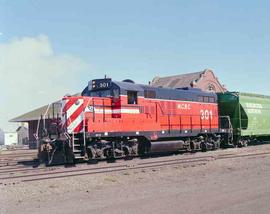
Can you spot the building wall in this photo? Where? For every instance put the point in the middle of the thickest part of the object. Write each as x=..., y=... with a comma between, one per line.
x=209, y=82
x=22, y=135
x=11, y=138
x=204, y=80
x=32, y=129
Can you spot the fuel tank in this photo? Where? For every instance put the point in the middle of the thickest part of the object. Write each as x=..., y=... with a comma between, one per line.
x=166, y=146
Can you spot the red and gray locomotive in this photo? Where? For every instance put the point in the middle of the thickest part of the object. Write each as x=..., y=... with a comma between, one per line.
x=112, y=119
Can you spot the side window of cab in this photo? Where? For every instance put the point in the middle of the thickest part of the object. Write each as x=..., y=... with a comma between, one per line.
x=132, y=97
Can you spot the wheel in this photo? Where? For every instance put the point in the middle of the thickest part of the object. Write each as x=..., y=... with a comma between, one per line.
x=141, y=149
x=203, y=147
x=217, y=145
x=192, y=146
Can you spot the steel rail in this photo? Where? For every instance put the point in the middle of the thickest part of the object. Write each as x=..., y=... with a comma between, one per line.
x=147, y=165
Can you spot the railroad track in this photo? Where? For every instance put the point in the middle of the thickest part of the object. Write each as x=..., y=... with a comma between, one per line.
x=97, y=170
x=61, y=170
x=5, y=169
x=7, y=160
x=24, y=169
x=15, y=163
x=39, y=174
x=14, y=156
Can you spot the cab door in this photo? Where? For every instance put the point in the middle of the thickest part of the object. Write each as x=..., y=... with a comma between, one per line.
x=116, y=103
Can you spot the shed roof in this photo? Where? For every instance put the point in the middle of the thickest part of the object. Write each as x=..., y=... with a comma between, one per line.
x=54, y=108
x=21, y=128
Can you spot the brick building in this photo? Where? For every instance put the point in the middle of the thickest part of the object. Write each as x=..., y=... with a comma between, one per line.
x=205, y=80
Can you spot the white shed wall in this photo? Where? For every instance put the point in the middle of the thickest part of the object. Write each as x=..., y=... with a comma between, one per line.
x=11, y=138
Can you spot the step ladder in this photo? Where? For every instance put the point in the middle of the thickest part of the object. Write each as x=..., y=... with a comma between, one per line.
x=79, y=143
x=77, y=147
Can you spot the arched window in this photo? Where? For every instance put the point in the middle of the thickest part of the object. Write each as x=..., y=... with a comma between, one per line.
x=211, y=87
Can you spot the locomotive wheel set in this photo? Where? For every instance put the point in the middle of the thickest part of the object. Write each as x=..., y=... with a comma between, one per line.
x=113, y=119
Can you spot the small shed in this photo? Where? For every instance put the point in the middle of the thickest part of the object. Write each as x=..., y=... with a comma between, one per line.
x=11, y=138
x=23, y=136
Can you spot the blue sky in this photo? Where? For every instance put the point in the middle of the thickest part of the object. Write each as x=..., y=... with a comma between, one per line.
x=142, y=39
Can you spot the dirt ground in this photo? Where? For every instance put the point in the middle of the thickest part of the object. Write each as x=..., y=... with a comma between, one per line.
x=239, y=185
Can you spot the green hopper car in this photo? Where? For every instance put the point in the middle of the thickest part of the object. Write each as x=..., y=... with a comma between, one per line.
x=249, y=115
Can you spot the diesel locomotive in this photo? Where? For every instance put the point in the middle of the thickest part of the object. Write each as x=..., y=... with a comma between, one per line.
x=112, y=119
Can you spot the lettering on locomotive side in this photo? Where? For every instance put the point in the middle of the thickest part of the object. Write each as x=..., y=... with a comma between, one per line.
x=184, y=106
x=254, y=108
x=254, y=105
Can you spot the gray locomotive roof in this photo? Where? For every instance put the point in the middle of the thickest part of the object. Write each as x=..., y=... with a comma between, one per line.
x=140, y=87
x=129, y=86
x=187, y=93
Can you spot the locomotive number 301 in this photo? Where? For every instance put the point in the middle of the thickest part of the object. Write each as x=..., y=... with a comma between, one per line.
x=103, y=85
x=206, y=114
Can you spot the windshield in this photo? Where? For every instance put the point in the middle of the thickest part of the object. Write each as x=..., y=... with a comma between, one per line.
x=100, y=93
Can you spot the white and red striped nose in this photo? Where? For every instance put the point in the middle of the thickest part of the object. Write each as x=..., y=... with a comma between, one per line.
x=72, y=114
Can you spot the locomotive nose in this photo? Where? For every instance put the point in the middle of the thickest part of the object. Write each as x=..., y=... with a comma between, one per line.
x=73, y=109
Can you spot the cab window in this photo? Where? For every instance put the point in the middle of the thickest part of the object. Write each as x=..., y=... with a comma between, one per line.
x=200, y=99
x=211, y=99
x=149, y=94
x=206, y=99
x=100, y=93
x=132, y=97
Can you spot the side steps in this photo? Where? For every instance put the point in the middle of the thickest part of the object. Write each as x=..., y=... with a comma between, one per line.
x=78, y=148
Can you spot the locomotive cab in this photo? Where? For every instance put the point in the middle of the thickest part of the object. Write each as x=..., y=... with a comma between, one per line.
x=122, y=94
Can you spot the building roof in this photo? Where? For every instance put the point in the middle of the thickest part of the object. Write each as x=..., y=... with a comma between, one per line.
x=177, y=81
x=21, y=128
x=54, y=108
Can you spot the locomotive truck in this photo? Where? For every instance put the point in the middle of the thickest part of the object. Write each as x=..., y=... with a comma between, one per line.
x=112, y=119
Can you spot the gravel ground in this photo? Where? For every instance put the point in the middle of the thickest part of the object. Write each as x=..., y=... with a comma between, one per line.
x=239, y=185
